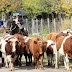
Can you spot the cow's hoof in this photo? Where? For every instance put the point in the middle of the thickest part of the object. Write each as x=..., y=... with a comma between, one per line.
x=42, y=68
x=12, y=69
x=36, y=67
x=68, y=69
x=56, y=67
x=34, y=64
x=2, y=64
x=6, y=66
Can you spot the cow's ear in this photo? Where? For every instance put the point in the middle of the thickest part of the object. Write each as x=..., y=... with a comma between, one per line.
x=45, y=43
x=35, y=42
x=6, y=40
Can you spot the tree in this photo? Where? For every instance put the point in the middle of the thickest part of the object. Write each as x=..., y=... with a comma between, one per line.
x=7, y=6
x=67, y=6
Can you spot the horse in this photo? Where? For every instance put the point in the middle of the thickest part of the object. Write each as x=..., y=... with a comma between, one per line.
x=13, y=28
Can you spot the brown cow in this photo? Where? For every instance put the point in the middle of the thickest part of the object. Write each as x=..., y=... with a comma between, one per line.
x=37, y=48
x=52, y=36
x=22, y=46
x=64, y=48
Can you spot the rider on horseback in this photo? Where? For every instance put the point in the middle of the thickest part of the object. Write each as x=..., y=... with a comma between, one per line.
x=19, y=22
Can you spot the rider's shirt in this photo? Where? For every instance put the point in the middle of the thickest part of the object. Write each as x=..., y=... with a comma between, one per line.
x=16, y=20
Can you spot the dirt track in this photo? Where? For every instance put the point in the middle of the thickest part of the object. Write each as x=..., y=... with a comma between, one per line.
x=30, y=68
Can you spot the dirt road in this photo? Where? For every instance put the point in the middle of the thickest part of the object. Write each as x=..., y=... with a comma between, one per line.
x=30, y=68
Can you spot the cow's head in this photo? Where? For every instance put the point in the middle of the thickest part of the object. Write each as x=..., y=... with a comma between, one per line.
x=50, y=47
x=12, y=45
x=27, y=43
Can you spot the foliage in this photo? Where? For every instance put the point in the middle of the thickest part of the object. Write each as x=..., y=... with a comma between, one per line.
x=9, y=5
x=35, y=7
x=66, y=24
x=67, y=6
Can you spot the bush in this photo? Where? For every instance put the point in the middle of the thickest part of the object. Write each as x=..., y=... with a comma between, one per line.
x=66, y=24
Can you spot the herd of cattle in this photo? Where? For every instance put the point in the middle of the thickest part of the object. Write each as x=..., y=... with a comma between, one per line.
x=14, y=46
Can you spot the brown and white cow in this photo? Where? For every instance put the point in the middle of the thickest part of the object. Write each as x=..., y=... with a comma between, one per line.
x=50, y=52
x=1, y=54
x=37, y=48
x=8, y=46
x=64, y=48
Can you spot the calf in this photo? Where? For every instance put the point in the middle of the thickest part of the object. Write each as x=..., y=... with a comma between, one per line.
x=9, y=46
x=22, y=46
x=27, y=52
x=37, y=48
x=64, y=48
x=50, y=52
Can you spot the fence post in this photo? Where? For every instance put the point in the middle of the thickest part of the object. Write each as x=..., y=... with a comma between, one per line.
x=71, y=22
x=32, y=26
x=48, y=24
x=37, y=24
x=54, y=25
x=27, y=23
x=41, y=26
x=61, y=23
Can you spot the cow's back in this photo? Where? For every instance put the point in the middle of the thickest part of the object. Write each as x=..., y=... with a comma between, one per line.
x=67, y=46
x=52, y=36
x=59, y=42
x=21, y=42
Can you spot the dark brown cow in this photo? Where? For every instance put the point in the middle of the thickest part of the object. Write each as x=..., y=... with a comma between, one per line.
x=22, y=46
x=64, y=47
x=27, y=52
x=9, y=45
x=37, y=48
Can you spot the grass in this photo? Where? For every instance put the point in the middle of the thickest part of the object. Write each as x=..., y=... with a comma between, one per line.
x=41, y=35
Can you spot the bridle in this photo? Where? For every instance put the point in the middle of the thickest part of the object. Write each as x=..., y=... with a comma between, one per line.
x=11, y=29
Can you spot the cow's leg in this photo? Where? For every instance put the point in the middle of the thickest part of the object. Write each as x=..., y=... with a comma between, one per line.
x=26, y=60
x=31, y=58
x=20, y=60
x=36, y=66
x=11, y=62
x=2, y=61
x=56, y=59
x=53, y=59
x=66, y=62
x=42, y=61
x=5, y=60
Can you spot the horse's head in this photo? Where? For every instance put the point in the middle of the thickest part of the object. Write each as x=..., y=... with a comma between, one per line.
x=10, y=24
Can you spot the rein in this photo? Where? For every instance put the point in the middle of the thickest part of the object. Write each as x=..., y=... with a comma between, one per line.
x=11, y=29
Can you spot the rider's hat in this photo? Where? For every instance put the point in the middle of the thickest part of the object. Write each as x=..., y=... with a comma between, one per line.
x=17, y=14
